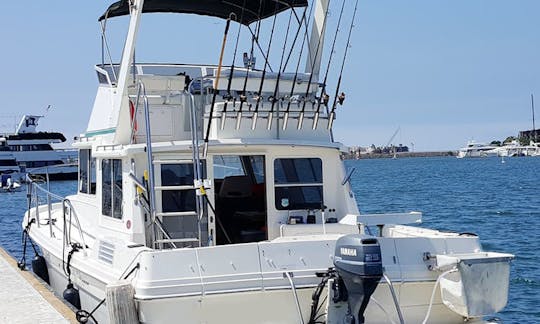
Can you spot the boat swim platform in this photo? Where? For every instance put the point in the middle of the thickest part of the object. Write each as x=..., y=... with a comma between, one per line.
x=26, y=299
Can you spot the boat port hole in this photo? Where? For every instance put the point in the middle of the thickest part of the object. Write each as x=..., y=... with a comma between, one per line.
x=240, y=183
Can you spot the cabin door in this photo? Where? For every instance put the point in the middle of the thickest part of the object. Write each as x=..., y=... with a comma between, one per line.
x=240, y=187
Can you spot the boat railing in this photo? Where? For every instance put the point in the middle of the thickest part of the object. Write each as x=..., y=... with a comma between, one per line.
x=156, y=223
x=35, y=191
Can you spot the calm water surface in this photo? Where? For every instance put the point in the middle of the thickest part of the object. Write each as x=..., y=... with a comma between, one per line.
x=498, y=201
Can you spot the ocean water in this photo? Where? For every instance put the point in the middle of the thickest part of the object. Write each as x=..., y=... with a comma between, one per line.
x=498, y=201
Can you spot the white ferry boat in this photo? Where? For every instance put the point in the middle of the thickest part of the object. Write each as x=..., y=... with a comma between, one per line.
x=34, y=153
x=216, y=194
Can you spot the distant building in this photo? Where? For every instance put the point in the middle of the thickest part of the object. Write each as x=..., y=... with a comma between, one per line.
x=529, y=135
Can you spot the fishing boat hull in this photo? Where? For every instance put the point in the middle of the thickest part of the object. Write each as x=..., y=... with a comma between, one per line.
x=247, y=283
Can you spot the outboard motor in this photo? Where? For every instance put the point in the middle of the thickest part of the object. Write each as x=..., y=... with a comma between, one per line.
x=358, y=264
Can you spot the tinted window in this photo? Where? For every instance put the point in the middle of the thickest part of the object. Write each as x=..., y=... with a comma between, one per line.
x=117, y=189
x=178, y=200
x=298, y=183
x=87, y=171
x=111, y=188
x=177, y=174
x=8, y=163
x=298, y=171
x=83, y=170
x=227, y=165
x=92, y=171
x=106, y=176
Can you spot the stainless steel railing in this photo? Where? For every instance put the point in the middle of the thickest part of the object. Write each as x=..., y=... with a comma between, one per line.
x=34, y=189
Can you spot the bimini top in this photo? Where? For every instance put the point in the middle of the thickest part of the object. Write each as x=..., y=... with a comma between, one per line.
x=247, y=10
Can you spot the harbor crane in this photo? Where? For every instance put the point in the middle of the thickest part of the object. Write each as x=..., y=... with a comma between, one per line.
x=393, y=149
x=393, y=136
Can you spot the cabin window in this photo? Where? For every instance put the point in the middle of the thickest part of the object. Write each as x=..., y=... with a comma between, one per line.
x=8, y=163
x=111, y=173
x=298, y=183
x=83, y=170
x=87, y=172
x=177, y=198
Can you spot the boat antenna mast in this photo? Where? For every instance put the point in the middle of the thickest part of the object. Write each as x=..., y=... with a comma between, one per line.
x=324, y=96
x=341, y=97
x=534, y=124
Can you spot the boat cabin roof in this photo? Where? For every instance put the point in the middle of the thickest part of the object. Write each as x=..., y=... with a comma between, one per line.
x=245, y=12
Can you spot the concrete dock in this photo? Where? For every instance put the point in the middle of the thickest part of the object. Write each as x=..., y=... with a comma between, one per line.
x=24, y=299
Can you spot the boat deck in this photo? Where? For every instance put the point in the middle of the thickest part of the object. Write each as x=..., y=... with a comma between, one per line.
x=24, y=299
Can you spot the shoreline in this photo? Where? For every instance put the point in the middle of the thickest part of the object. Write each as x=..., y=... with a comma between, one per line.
x=399, y=155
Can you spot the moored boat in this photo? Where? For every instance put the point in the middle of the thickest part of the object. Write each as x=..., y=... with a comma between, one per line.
x=217, y=194
x=34, y=153
x=476, y=149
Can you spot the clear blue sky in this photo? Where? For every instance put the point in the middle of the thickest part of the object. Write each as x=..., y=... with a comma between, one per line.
x=444, y=71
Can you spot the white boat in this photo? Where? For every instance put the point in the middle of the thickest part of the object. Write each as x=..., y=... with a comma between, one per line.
x=195, y=207
x=476, y=149
x=34, y=153
x=9, y=182
x=515, y=149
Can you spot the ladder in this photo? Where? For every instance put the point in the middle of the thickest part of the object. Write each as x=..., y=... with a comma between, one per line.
x=161, y=237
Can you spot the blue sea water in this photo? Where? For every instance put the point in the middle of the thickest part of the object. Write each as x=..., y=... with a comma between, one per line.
x=498, y=201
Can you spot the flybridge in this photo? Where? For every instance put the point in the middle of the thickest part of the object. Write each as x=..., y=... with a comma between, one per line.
x=230, y=97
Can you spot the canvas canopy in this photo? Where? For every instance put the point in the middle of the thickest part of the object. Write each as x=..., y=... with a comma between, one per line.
x=248, y=11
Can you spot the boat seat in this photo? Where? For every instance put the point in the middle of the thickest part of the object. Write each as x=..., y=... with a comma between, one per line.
x=235, y=187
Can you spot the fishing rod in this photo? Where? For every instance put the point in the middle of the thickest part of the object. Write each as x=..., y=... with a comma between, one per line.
x=341, y=97
x=301, y=116
x=286, y=116
x=216, y=83
x=300, y=24
x=324, y=96
x=231, y=72
x=259, y=94
x=249, y=63
x=276, y=89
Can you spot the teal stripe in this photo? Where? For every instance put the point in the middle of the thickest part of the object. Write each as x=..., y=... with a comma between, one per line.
x=100, y=132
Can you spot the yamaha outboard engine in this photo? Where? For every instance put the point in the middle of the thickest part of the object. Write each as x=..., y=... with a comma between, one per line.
x=358, y=264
